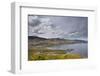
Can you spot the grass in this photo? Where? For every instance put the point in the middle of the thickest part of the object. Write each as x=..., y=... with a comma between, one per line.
x=48, y=54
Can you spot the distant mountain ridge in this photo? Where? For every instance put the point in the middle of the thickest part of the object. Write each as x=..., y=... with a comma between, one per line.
x=41, y=38
x=36, y=37
x=42, y=42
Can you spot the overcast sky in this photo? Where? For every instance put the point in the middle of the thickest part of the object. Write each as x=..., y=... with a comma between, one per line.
x=57, y=26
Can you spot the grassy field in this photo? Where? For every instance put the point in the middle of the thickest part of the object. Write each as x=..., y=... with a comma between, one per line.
x=48, y=54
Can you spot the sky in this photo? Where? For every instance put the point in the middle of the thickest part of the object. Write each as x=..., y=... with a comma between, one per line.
x=49, y=26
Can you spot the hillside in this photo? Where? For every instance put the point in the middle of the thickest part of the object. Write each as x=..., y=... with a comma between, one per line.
x=34, y=41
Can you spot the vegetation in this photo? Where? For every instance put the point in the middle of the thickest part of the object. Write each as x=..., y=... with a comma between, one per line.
x=37, y=49
x=48, y=54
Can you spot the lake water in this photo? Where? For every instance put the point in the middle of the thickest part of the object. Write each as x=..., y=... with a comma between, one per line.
x=78, y=48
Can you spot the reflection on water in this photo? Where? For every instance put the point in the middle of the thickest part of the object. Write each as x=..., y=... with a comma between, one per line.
x=79, y=48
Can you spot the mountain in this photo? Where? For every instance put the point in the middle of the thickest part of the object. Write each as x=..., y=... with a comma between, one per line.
x=36, y=38
x=42, y=42
x=60, y=39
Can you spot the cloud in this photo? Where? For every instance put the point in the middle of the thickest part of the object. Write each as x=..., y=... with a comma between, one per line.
x=74, y=33
x=33, y=21
x=43, y=27
x=57, y=26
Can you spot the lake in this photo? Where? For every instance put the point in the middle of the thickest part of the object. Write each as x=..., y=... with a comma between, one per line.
x=78, y=48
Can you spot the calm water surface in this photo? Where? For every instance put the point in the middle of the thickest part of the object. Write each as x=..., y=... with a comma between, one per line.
x=78, y=48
